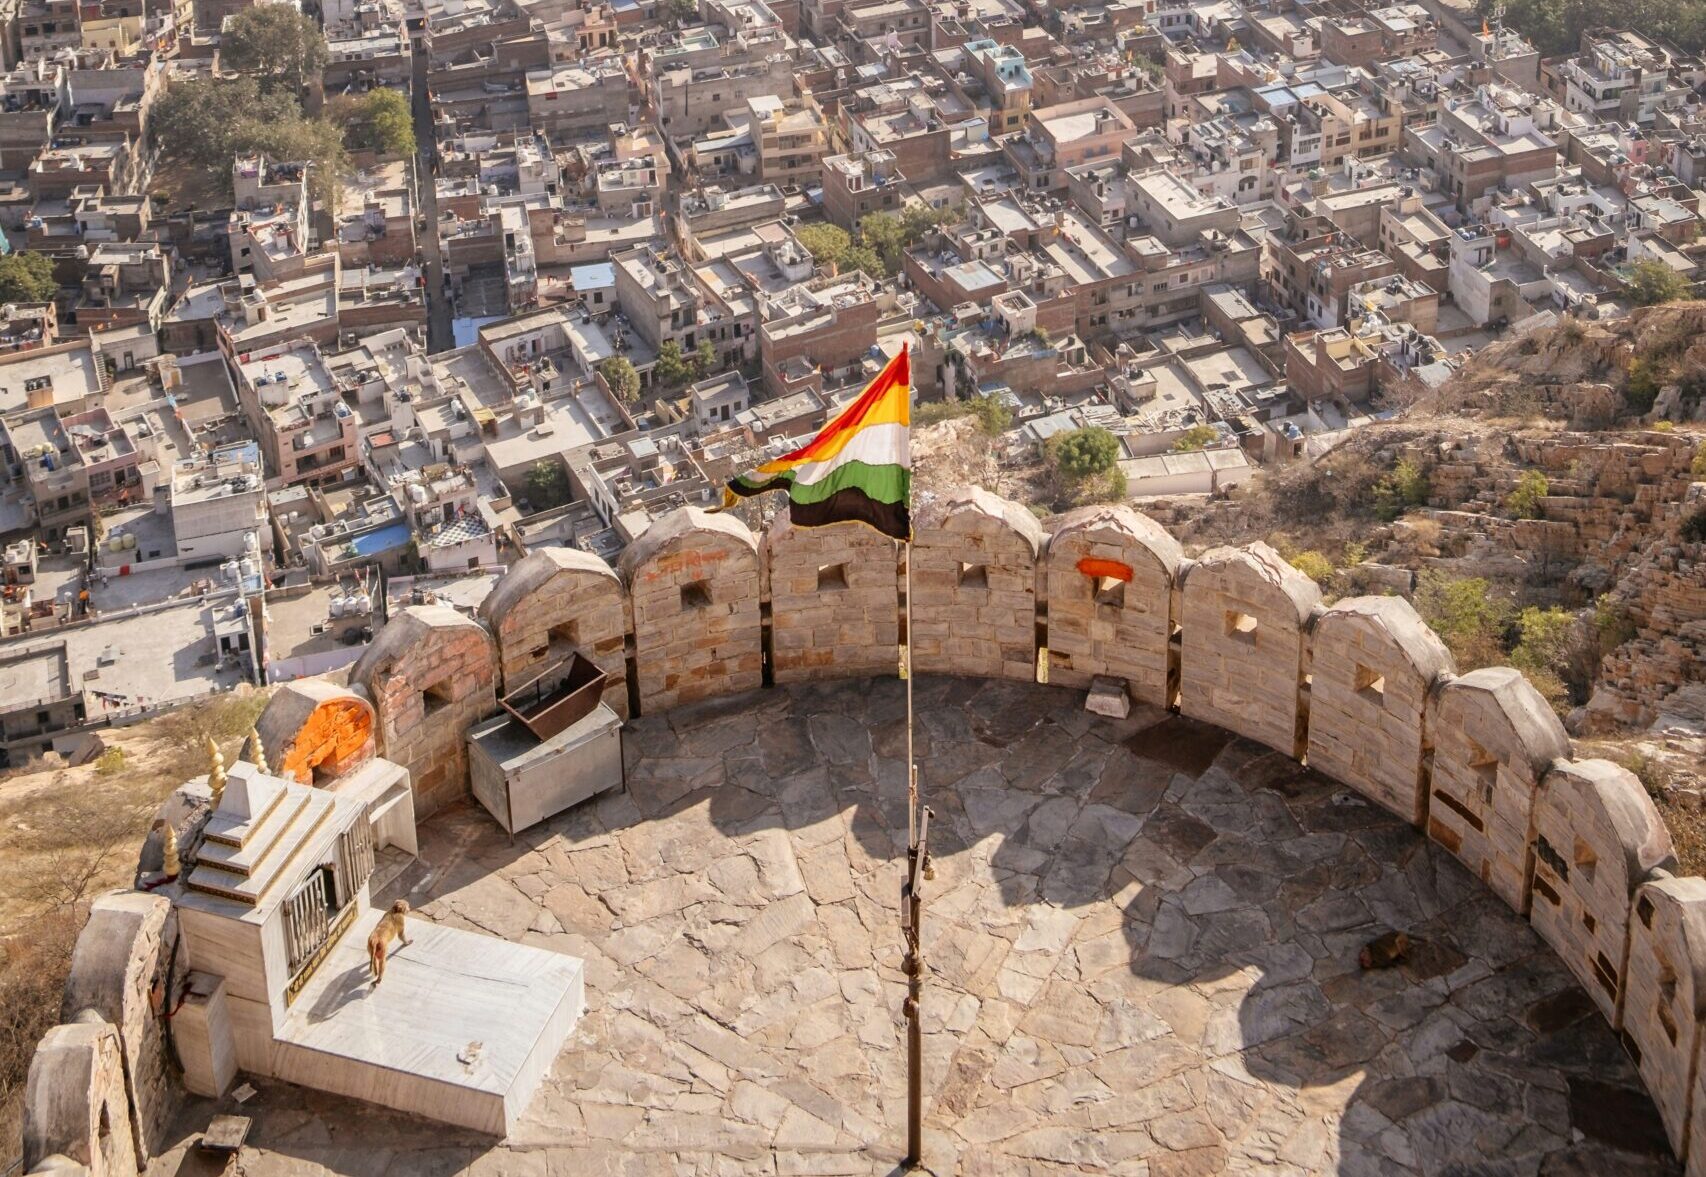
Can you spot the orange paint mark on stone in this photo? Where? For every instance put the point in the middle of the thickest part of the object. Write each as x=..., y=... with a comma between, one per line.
x=1094, y=567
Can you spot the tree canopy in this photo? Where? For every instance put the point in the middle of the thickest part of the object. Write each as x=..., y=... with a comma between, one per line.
x=1556, y=26
x=624, y=380
x=1195, y=438
x=832, y=245
x=275, y=42
x=1083, y=453
x=376, y=121
x=1651, y=282
x=673, y=367
x=888, y=235
x=204, y=122
x=27, y=277
x=548, y=485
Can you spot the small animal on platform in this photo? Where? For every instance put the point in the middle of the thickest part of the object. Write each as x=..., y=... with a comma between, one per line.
x=1384, y=951
x=390, y=927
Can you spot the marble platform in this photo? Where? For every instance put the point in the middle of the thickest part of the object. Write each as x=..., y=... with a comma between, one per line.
x=462, y=1030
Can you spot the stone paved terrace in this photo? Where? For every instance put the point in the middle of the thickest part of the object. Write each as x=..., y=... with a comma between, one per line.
x=1143, y=938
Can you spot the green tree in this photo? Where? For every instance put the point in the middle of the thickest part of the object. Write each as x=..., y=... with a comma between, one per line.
x=548, y=485
x=1546, y=651
x=918, y=218
x=205, y=122
x=1529, y=498
x=1083, y=453
x=1544, y=638
x=376, y=121
x=673, y=368
x=201, y=120
x=994, y=417
x=27, y=277
x=624, y=381
x=1651, y=282
x=831, y=245
x=1698, y=467
x=1466, y=615
x=883, y=234
x=1197, y=437
x=679, y=12
x=1404, y=487
x=704, y=359
x=275, y=42
x=1642, y=384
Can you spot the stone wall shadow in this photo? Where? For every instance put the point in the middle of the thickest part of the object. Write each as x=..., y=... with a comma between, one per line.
x=1480, y=1054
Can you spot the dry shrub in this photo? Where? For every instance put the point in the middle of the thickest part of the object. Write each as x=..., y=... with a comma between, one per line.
x=1687, y=825
x=226, y=719
x=33, y=969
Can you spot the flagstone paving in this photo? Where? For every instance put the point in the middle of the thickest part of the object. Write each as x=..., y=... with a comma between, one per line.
x=1141, y=938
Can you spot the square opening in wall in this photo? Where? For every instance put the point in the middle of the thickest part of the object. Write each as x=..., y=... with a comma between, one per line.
x=1586, y=860
x=696, y=595
x=974, y=576
x=436, y=697
x=1241, y=627
x=565, y=639
x=831, y=578
x=1485, y=766
x=1371, y=685
x=1110, y=592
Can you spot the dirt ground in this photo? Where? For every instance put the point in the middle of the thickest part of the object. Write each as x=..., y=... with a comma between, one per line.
x=68, y=834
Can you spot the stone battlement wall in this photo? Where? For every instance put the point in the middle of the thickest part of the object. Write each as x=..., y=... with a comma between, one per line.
x=1362, y=690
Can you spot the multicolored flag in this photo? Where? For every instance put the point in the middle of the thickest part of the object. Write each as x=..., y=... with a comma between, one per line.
x=858, y=469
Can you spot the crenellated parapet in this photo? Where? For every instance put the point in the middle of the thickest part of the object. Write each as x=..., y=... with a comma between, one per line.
x=1374, y=662
x=1362, y=691
x=553, y=602
x=694, y=586
x=834, y=601
x=1245, y=618
x=430, y=673
x=1108, y=585
x=974, y=587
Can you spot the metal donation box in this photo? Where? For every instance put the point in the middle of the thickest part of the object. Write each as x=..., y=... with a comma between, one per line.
x=556, y=745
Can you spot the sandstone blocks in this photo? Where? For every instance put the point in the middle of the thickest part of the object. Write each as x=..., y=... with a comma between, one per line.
x=1494, y=736
x=76, y=1105
x=1664, y=996
x=974, y=587
x=313, y=731
x=122, y=957
x=556, y=601
x=1245, y=613
x=834, y=601
x=1108, y=583
x=694, y=586
x=431, y=675
x=1373, y=662
x=1597, y=837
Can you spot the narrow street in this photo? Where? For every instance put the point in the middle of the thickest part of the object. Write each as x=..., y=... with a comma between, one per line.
x=440, y=336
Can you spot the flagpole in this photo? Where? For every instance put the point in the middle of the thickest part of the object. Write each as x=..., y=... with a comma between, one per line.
x=912, y=907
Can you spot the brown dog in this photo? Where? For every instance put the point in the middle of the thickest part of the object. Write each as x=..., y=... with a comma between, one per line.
x=389, y=927
x=1385, y=951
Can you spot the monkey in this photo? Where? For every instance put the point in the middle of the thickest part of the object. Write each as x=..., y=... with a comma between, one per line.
x=390, y=926
x=1384, y=951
